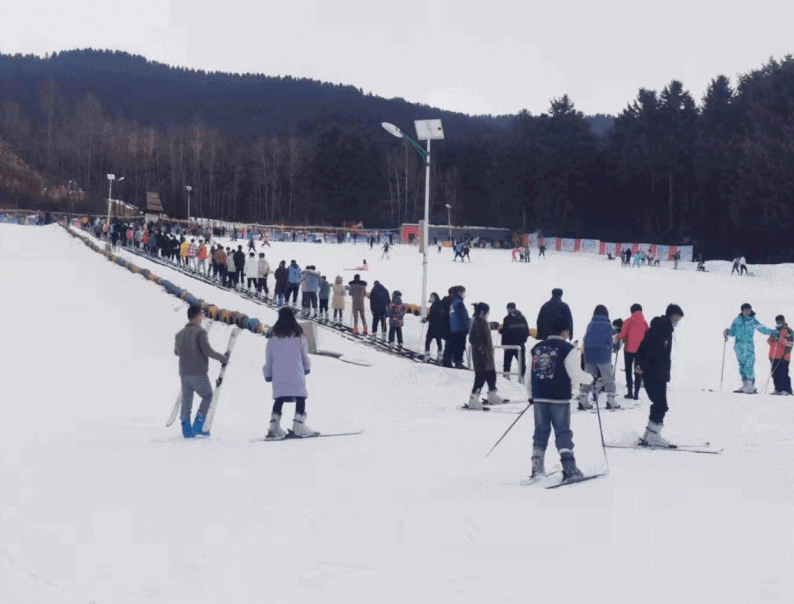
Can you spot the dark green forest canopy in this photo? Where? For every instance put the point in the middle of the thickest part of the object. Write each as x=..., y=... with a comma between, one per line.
x=718, y=171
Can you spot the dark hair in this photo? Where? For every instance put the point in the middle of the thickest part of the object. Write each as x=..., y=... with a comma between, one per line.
x=434, y=294
x=251, y=255
x=780, y=319
x=559, y=325
x=673, y=309
x=601, y=310
x=192, y=312
x=635, y=308
x=511, y=305
x=286, y=326
x=556, y=292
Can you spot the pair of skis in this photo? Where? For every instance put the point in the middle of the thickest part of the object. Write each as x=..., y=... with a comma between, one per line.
x=704, y=448
x=215, y=394
x=292, y=436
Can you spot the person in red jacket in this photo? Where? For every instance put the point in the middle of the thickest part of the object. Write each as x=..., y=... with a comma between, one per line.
x=633, y=332
x=780, y=355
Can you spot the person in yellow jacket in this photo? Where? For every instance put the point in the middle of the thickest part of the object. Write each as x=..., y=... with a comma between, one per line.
x=183, y=248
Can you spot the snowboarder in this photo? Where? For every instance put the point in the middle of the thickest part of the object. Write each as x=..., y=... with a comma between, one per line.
x=555, y=364
x=780, y=355
x=598, y=357
x=379, y=305
x=653, y=364
x=482, y=358
x=358, y=291
x=459, y=324
x=437, y=328
x=515, y=332
x=633, y=332
x=281, y=276
x=396, y=312
x=286, y=367
x=338, y=300
x=551, y=310
x=192, y=346
x=743, y=328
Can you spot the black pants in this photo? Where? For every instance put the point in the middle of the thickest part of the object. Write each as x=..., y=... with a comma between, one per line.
x=292, y=288
x=300, y=404
x=261, y=284
x=657, y=392
x=510, y=354
x=324, y=305
x=398, y=331
x=311, y=300
x=378, y=318
x=429, y=339
x=337, y=314
x=735, y=268
x=447, y=358
x=239, y=278
x=743, y=270
x=252, y=282
x=628, y=361
x=458, y=346
x=480, y=377
x=780, y=375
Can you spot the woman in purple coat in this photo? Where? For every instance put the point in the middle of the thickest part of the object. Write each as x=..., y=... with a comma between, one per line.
x=286, y=367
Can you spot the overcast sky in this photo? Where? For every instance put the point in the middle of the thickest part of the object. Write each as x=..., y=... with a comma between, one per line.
x=463, y=55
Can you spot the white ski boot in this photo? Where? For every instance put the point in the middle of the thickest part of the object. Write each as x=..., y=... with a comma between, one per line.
x=538, y=463
x=584, y=404
x=474, y=401
x=653, y=435
x=749, y=387
x=299, y=428
x=275, y=431
x=611, y=402
x=494, y=398
x=427, y=358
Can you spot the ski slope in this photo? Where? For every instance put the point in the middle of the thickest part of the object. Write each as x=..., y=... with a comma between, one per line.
x=100, y=503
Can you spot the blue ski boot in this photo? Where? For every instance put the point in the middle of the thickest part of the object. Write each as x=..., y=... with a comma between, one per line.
x=198, y=425
x=187, y=431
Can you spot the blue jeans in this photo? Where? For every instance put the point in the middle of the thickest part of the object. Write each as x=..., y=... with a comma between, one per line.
x=199, y=384
x=559, y=416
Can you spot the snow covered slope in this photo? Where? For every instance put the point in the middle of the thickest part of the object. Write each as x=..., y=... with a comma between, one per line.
x=101, y=503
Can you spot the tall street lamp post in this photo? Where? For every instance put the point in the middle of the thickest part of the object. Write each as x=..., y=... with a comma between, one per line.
x=425, y=130
x=449, y=221
x=111, y=178
x=188, y=188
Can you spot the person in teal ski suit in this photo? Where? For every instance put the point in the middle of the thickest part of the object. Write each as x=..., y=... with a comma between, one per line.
x=743, y=328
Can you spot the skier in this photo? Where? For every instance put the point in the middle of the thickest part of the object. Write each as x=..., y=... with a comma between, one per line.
x=385, y=253
x=262, y=271
x=239, y=266
x=184, y=246
x=439, y=245
x=676, y=259
x=436, y=327
x=396, y=312
x=742, y=266
x=202, y=259
x=638, y=259
x=311, y=279
x=482, y=358
x=379, y=305
x=280, y=286
x=515, y=332
x=459, y=324
x=598, y=357
x=736, y=266
x=446, y=308
x=192, y=347
x=541, y=250
x=251, y=270
x=458, y=249
x=465, y=252
x=286, y=367
x=628, y=256
x=293, y=281
x=358, y=291
x=324, y=293
x=516, y=251
x=780, y=355
x=555, y=364
x=192, y=253
x=653, y=364
x=633, y=332
x=551, y=310
x=743, y=328
x=338, y=301
x=251, y=244
x=231, y=271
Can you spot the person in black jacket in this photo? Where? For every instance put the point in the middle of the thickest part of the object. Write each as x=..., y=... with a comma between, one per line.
x=551, y=310
x=653, y=364
x=378, y=303
x=515, y=332
x=446, y=305
x=437, y=328
x=239, y=264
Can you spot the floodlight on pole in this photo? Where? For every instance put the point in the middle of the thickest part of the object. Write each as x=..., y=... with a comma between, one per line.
x=425, y=130
x=449, y=220
x=188, y=188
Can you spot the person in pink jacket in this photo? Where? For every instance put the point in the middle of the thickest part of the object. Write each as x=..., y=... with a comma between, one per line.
x=633, y=332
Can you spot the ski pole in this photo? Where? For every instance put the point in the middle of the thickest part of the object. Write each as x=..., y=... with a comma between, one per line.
x=774, y=366
x=601, y=430
x=722, y=371
x=510, y=428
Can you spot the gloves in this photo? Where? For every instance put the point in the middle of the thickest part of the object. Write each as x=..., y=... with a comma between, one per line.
x=268, y=379
x=308, y=371
x=725, y=334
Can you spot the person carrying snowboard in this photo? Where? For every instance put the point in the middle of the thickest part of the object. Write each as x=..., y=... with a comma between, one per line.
x=555, y=364
x=743, y=328
x=193, y=348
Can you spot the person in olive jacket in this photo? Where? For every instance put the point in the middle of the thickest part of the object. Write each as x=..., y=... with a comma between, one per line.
x=482, y=358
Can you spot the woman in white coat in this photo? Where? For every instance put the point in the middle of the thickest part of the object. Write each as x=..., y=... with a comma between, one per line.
x=286, y=367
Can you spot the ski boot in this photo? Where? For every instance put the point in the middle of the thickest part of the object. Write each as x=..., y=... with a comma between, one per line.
x=300, y=429
x=584, y=404
x=198, y=425
x=494, y=398
x=569, y=469
x=187, y=431
x=275, y=431
x=611, y=402
x=653, y=436
x=427, y=358
x=474, y=401
x=538, y=463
